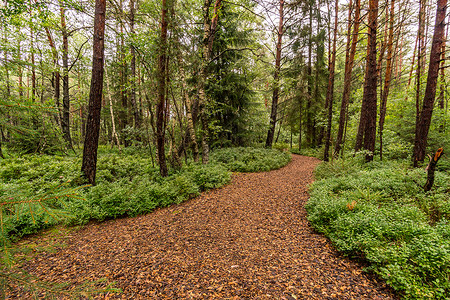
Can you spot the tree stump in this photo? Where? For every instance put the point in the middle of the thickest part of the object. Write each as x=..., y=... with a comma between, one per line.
x=431, y=168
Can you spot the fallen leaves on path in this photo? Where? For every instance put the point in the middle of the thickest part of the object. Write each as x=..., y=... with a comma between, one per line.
x=247, y=240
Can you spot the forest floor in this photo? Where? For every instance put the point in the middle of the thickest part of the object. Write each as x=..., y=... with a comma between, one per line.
x=247, y=240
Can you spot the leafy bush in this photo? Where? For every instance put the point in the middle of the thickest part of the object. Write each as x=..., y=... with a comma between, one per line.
x=243, y=159
x=127, y=183
x=379, y=211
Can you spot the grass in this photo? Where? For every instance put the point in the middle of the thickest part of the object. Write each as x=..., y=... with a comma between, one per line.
x=380, y=212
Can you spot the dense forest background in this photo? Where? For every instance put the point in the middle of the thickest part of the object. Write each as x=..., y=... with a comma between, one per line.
x=181, y=77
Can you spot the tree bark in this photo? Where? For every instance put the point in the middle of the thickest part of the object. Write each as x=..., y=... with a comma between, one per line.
x=137, y=116
x=421, y=46
x=368, y=120
x=309, y=114
x=161, y=105
x=276, y=78
x=349, y=61
x=89, y=165
x=65, y=121
x=114, y=135
x=56, y=74
x=330, y=88
x=424, y=120
x=431, y=168
x=387, y=77
x=442, y=86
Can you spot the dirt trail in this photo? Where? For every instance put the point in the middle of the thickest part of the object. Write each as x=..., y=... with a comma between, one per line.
x=248, y=240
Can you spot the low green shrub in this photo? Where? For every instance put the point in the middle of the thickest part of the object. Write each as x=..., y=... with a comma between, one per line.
x=380, y=212
x=127, y=184
x=243, y=159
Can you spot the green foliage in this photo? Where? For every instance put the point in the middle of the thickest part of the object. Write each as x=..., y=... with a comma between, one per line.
x=127, y=184
x=243, y=159
x=379, y=211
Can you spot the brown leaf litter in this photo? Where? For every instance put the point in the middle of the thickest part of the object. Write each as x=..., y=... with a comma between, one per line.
x=247, y=240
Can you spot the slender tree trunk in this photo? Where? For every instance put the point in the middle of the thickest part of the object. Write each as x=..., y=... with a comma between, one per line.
x=442, y=85
x=56, y=73
x=33, y=68
x=208, y=41
x=309, y=114
x=300, y=112
x=330, y=88
x=114, y=135
x=20, y=70
x=368, y=120
x=189, y=119
x=65, y=121
x=1, y=151
x=8, y=83
x=421, y=45
x=349, y=61
x=123, y=113
x=134, y=104
x=276, y=79
x=160, y=108
x=89, y=165
x=423, y=124
x=387, y=78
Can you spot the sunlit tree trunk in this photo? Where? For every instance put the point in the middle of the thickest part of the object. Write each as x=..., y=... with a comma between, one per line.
x=89, y=165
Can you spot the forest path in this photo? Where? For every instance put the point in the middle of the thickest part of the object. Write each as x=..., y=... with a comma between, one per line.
x=247, y=240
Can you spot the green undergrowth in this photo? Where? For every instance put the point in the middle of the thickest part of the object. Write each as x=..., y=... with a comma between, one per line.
x=39, y=191
x=378, y=211
x=244, y=159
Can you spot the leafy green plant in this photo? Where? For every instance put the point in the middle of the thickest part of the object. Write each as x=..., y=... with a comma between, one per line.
x=380, y=212
x=245, y=159
x=21, y=215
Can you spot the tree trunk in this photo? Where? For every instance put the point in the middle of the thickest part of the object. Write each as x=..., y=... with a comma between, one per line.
x=89, y=165
x=349, y=61
x=65, y=121
x=421, y=45
x=123, y=113
x=387, y=77
x=56, y=74
x=137, y=116
x=114, y=135
x=309, y=114
x=431, y=168
x=276, y=79
x=423, y=124
x=368, y=120
x=33, y=68
x=209, y=31
x=330, y=88
x=161, y=105
x=189, y=122
x=442, y=86
x=300, y=112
